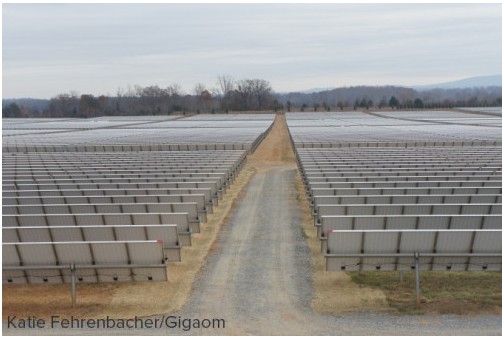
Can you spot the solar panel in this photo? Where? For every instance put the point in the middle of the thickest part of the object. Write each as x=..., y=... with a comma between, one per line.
x=380, y=243
x=105, y=261
x=485, y=242
x=422, y=222
x=180, y=219
x=452, y=241
x=166, y=233
x=395, y=250
x=79, y=254
x=40, y=254
x=348, y=243
x=10, y=257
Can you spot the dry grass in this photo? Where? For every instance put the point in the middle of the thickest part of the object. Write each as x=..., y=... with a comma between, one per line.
x=462, y=293
x=276, y=148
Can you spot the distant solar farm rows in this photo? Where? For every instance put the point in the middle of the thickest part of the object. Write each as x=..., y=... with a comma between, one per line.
x=392, y=188
x=202, y=132
x=393, y=129
x=104, y=200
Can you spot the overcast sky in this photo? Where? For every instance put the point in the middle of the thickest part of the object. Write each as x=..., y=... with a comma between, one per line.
x=50, y=49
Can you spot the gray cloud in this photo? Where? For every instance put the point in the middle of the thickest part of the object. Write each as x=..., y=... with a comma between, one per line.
x=94, y=48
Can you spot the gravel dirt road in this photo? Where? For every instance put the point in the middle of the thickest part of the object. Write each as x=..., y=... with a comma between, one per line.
x=258, y=276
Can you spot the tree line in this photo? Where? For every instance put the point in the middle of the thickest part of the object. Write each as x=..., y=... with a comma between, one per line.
x=229, y=95
x=232, y=95
x=393, y=97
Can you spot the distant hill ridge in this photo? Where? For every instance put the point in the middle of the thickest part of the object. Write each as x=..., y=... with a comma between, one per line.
x=465, y=83
x=471, y=82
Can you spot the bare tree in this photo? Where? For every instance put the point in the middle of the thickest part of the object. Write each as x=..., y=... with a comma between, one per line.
x=174, y=90
x=63, y=105
x=197, y=92
x=12, y=111
x=226, y=92
x=226, y=83
x=175, y=97
x=256, y=94
x=198, y=89
x=153, y=97
x=88, y=106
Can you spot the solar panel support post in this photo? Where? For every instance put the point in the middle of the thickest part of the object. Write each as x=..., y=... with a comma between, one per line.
x=417, y=278
x=73, y=285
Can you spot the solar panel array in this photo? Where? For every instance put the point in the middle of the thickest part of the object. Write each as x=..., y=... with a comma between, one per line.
x=114, y=198
x=386, y=186
x=153, y=133
x=393, y=129
x=495, y=111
